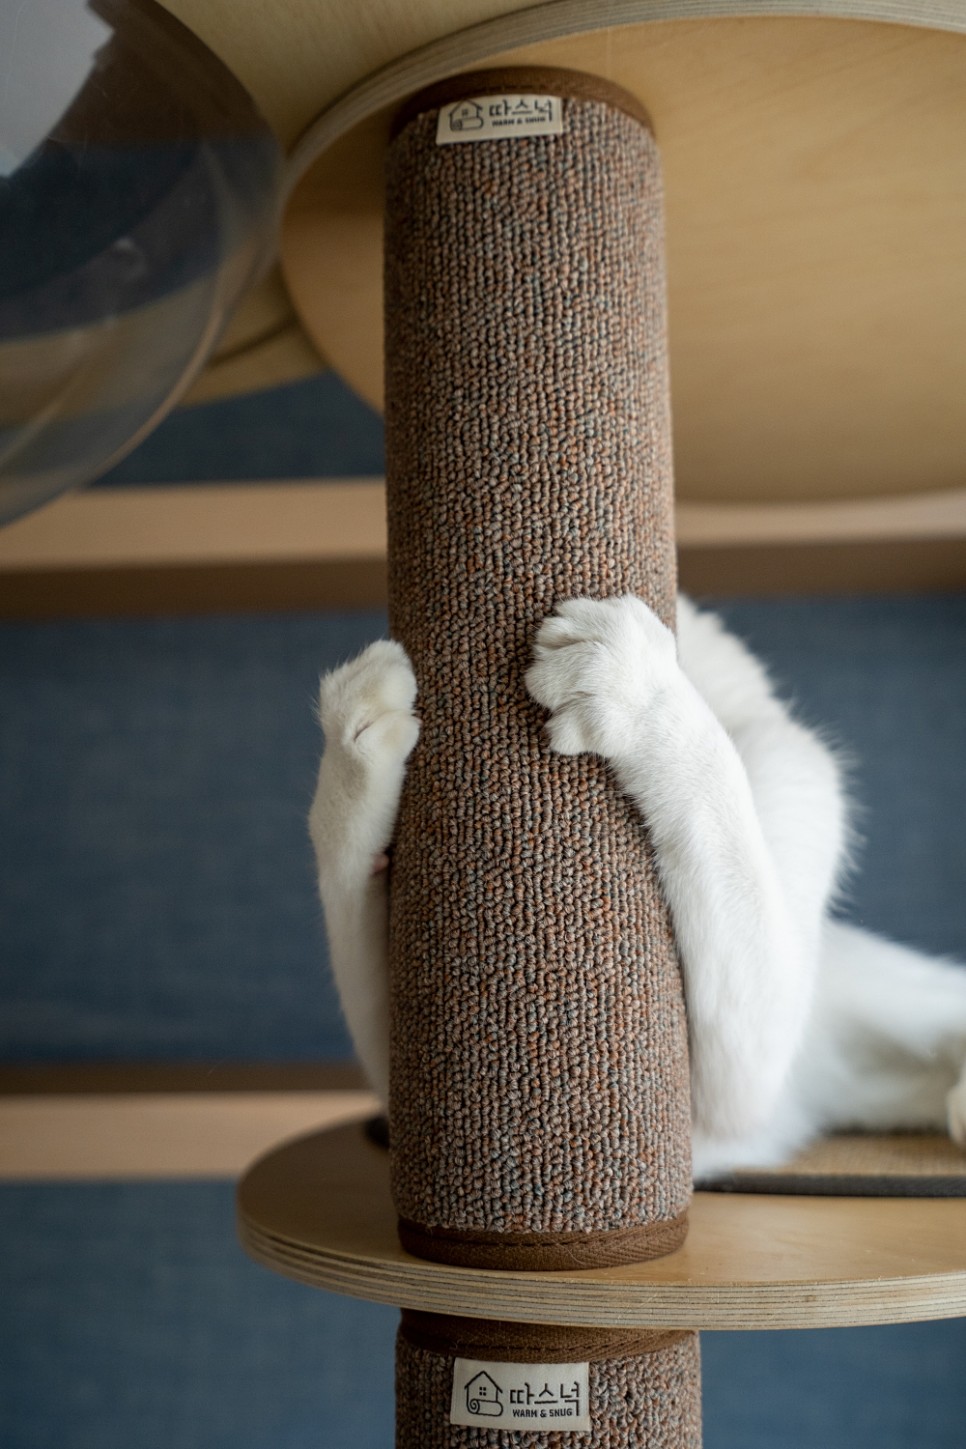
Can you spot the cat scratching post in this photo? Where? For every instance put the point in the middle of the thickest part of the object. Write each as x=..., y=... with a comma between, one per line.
x=539, y=1112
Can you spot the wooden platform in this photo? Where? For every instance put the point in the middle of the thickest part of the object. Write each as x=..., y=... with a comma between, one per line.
x=318, y=1210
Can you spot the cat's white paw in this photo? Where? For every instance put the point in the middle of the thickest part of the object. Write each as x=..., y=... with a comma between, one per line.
x=366, y=706
x=956, y=1111
x=599, y=667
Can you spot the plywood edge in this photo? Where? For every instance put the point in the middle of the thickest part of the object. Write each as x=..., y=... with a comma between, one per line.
x=501, y=34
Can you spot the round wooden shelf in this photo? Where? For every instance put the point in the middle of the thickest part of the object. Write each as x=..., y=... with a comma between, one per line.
x=816, y=222
x=318, y=1210
x=816, y=225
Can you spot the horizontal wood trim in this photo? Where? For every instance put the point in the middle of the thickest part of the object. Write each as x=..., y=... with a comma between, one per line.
x=877, y=567
x=321, y=544
x=201, y=523
x=151, y=1135
x=194, y=589
x=866, y=520
x=344, y=519
x=130, y=1078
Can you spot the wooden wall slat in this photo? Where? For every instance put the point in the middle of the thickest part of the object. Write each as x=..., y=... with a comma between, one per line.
x=159, y=1135
x=132, y=1078
x=321, y=544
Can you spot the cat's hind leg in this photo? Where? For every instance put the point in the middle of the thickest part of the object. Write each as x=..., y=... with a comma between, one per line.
x=886, y=1049
x=366, y=711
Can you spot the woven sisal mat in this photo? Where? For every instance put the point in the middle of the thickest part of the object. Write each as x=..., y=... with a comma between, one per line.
x=904, y=1164
x=908, y=1164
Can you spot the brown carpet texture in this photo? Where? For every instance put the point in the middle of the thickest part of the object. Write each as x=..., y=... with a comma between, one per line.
x=638, y=1399
x=539, y=1103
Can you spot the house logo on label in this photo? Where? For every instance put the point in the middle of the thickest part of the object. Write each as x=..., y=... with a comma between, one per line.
x=489, y=1395
x=467, y=116
x=499, y=118
x=484, y=1396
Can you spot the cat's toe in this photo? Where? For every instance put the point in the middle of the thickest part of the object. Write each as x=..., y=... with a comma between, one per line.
x=559, y=676
x=567, y=733
x=389, y=736
x=576, y=621
x=367, y=704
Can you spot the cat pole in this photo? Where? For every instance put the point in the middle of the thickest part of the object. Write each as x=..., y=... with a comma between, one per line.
x=539, y=1109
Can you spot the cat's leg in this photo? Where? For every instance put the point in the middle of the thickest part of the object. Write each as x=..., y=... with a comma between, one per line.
x=956, y=1109
x=796, y=780
x=366, y=711
x=887, y=1045
x=746, y=927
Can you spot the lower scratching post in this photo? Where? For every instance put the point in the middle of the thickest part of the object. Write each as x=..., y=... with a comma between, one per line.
x=462, y=1383
x=539, y=1105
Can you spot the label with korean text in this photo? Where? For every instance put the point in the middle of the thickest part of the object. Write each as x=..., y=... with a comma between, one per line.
x=494, y=118
x=520, y=1395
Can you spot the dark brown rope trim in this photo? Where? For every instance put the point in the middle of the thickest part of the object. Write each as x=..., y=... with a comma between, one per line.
x=504, y=1342
x=533, y=1252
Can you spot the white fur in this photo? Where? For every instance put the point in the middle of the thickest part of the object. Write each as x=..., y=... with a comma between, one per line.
x=798, y=1023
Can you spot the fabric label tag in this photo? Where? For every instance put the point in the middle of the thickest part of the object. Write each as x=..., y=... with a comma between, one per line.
x=489, y=118
x=520, y=1395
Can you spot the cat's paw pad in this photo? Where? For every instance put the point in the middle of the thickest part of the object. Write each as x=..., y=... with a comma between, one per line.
x=366, y=706
x=598, y=665
x=956, y=1112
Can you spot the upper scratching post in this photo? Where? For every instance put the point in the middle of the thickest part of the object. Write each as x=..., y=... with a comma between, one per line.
x=539, y=1100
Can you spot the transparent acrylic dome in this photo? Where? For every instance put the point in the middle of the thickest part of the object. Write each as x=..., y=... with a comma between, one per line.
x=138, y=193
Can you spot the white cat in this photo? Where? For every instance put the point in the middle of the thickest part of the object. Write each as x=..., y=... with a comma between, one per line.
x=798, y=1023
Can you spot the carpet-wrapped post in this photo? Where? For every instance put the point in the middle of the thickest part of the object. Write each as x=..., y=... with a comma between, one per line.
x=564, y=1388
x=539, y=1105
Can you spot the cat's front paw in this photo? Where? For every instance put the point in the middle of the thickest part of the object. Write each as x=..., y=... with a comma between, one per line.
x=366, y=706
x=599, y=667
